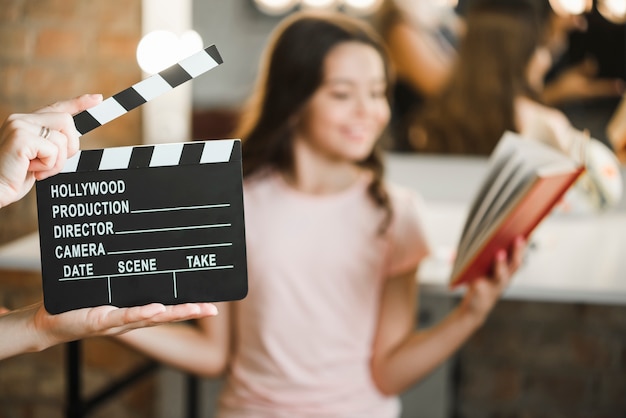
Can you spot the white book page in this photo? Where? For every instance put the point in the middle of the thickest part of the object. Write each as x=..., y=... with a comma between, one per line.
x=502, y=201
x=502, y=164
x=526, y=159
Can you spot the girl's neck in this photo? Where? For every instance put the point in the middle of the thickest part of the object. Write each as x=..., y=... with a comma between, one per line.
x=315, y=174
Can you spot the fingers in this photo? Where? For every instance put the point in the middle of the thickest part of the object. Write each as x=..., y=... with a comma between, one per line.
x=517, y=257
x=120, y=320
x=184, y=312
x=501, y=269
x=505, y=266
x=57, y=121
x=48, y=153
x=74, y=105
x=45, y=156
x=20, y=139
x=46, y=163
x=58, y=117
x=606, y=87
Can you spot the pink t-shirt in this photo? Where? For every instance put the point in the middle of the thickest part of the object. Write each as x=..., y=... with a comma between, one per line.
x=316, y=265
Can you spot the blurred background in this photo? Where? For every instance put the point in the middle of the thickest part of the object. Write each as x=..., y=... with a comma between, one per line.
x=532, y=359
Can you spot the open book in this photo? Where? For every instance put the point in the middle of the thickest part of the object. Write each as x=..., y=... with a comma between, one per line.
x=525, y=180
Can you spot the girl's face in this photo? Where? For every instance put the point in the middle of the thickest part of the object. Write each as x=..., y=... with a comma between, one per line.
x=348, y=112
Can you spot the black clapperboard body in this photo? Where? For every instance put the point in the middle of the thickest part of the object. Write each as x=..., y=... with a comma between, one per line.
x=129, y=226
x=133, y=225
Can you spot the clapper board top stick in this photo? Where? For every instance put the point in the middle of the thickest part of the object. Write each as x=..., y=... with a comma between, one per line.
x=129, y=226
x=148, y=89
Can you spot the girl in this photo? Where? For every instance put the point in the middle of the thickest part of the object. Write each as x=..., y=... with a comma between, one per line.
x=327, y=329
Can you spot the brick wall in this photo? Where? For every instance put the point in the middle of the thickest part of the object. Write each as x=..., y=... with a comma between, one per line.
x=546, y=360
x=52, y=50
x=57, y=49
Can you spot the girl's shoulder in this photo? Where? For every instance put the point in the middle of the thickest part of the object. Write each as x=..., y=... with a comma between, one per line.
x=261, y=189
x=400, y=195
x=409, y=243
x=260, y=179
x=407, y=205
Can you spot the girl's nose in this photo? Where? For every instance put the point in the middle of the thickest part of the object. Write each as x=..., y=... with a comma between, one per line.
x=365, y=104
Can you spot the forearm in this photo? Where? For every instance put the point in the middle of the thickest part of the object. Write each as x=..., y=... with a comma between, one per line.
x=19, y=335
x=179, y=345
x=431, y=76
x=34, y=329
x=423, y=351
x=400, y=361
x=418, y=61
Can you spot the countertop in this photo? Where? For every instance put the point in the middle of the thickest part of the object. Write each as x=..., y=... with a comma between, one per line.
x=572, y=258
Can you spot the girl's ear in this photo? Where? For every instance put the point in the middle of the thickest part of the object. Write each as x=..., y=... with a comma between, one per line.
x=538, y=66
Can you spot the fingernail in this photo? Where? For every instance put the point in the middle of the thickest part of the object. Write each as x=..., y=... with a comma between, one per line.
x=97, y=96
x=501, y=255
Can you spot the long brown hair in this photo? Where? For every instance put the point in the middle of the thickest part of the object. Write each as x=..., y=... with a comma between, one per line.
x=290, y=74
x=477, y=106
x=386, y=17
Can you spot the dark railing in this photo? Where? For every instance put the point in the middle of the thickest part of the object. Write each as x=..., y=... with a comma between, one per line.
x=78, y=406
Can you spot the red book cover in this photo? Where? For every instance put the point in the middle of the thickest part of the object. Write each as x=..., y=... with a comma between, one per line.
x=544, y=193
x=525, y=180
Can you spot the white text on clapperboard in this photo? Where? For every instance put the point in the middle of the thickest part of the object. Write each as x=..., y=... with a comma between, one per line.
x=99, y=228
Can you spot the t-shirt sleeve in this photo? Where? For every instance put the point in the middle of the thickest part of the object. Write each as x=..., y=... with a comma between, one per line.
x=408, y=241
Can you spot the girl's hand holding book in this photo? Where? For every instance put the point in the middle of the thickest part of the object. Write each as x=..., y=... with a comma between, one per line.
x=483, y=293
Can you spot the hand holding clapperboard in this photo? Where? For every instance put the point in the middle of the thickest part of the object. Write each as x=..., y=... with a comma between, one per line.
x=133, y=225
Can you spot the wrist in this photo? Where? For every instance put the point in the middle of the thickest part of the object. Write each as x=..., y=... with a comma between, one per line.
x=470, y=318
x=39, y=335
x=20, y=332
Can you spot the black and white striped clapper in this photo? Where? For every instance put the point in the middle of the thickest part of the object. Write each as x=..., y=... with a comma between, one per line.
x=147, y=89
x=133, y=225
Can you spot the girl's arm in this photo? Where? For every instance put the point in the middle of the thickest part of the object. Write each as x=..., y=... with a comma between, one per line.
x=417, y=59
x=201, y=348
x=403, y=356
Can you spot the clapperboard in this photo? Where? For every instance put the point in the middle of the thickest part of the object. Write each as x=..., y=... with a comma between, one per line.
x=129, y=226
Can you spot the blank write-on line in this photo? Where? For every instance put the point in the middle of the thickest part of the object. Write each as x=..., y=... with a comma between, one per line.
x=176, y=228
x=184, y=247
x=174, y=208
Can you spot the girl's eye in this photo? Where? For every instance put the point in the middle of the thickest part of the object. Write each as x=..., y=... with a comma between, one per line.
x=378, y=94
x=342, y=95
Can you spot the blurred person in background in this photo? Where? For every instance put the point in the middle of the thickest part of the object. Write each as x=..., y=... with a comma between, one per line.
x=496, y=86
x=423, y=38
